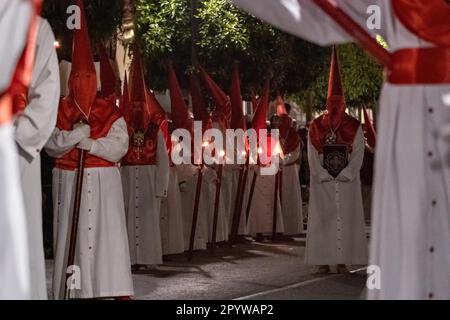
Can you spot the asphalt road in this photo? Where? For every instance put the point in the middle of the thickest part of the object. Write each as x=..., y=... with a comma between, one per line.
x=261, y=271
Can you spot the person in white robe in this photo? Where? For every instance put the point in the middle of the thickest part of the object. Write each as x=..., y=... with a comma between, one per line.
x=410, y=221
x=14, y=262
x=172, y=230
x=34, y=126
x=101, y=258
x=145, y=173
x=290, y=193
x=336, y=227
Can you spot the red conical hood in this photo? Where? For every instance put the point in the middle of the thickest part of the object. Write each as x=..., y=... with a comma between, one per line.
x=125, y=101
x=260, y=116
x=371, y=134
x=179, y=110
x=138, y=97
x=220, y=98
x=281, y=109
x=198, y=103
x=83, y=79
x=237, y=114
x=335, y=97
x=137, y=78
x=107, y=76
x=155, y=110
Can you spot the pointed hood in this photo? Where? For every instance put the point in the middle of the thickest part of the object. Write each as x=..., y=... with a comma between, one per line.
x=155, y=110
x=237, y=114
x=158, y=117
x=281, y=108
x=370, y=130
x=285, y=119
x=137, y=80
x=199, y=108
x=260, y=116
x=125, y=100
x=334, y=126
x=335, y=97
x=179, y=109
x=108, y=78
x=139, y=115
x=221, y=100
x=82, y=79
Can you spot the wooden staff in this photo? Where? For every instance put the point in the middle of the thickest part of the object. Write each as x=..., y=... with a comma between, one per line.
x=250, y=196
x=75, y=218
x=198, y=191
x=216, y=206
x=275, y=206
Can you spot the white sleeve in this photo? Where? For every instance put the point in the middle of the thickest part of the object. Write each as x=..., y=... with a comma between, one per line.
x=315, y=166
x=304, y=19
x=61, y=142
x=356, y=158
x=35, y=125
x=162, y=168
x=14, y=23
x=114, y=146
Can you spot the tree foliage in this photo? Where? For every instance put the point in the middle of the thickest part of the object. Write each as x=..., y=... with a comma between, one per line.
x=297, y=68
x=103, y=18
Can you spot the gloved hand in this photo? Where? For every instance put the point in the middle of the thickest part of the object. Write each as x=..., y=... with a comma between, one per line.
x=83, y=128
x=85, y=144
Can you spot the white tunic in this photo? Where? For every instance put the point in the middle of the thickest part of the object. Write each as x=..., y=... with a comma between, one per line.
x=187, y=179
x=102, y=246
x=336, y=228
x=208, y=200
x=410, y=224
x=291, y=194
x=172, y=232
x=260, y=219
x=14, y=265
x=234, y=171
x=144, y=186
x=33, y=129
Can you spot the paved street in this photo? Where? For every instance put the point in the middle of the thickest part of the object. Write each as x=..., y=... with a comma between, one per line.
x=252, y=271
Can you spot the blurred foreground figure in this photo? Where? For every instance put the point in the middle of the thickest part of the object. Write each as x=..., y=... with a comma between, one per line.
x=18, y=22
x=411, y=204
x=36, y=108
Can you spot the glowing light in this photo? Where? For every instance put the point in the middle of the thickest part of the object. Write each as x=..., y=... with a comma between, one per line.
x=57, y=44
x=277, y=149
x=244, y=153
x=205, y=144
x=446, y=99
x=260, y=150
x=222, y=153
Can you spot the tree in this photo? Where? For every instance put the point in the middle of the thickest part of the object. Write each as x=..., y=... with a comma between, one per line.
x=103, y=18
x=297, y=68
